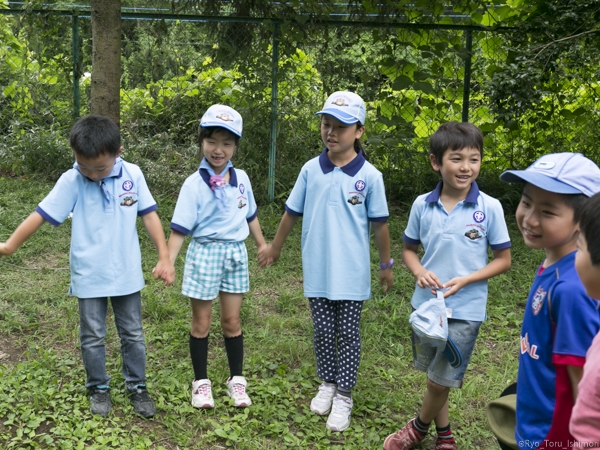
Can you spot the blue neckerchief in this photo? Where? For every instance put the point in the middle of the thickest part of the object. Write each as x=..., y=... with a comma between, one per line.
x=216, y=182
x=114, y=173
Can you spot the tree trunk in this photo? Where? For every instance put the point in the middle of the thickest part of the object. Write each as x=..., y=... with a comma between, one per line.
x=106, y=58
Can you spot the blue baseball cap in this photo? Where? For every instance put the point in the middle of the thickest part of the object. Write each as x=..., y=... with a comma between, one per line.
x=224, y=117
x=347, y=107
x=561, y=173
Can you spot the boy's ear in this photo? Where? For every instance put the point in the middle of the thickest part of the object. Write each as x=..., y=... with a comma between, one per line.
x=434, y=163
x=120, y=152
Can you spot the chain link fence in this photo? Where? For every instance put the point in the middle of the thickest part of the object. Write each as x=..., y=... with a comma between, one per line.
x=277, y=75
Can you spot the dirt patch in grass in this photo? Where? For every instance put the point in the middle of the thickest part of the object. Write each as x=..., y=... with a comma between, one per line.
x=10, y=351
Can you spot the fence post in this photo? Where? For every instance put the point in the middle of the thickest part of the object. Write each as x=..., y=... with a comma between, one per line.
x=76, y=75
x=274, y=93
x=467, y=80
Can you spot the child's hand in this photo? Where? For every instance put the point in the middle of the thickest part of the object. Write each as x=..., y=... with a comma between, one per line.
x=4, y=251
x=267, y=255
x=428, y=279
x=165, y=271
x=454, y=285
x=386, y=279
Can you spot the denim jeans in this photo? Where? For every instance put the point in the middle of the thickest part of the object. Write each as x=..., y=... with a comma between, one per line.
x=127, y=310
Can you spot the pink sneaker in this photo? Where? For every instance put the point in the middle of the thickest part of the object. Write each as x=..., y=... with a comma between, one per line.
x=202, y=394
x=404, y=439
x=236, y=389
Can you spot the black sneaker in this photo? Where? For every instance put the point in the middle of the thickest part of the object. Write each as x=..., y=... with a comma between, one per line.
x=141, y=401
x=100, y=400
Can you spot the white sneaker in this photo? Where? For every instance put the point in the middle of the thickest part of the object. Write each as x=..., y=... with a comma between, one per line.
x=202, y=394
x=321, y=404
x=236, y=389
x=339, y=419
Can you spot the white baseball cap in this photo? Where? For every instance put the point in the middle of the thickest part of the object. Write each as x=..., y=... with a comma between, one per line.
x=561, y=173
x=347, y=107
x=224, y=117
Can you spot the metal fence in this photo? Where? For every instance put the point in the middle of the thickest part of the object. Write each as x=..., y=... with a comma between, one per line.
x=277, y=74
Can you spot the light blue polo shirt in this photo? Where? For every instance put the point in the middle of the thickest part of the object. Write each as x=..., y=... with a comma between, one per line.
x=105, y=252
x=197, y=212
x=337, y=205
x=456, y=244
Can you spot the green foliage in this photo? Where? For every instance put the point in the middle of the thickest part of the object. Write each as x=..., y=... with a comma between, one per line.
x=532, y=90
x=36, y=150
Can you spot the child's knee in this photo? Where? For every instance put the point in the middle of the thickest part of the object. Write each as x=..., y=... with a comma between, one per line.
x=437, y=389
x=231, y=325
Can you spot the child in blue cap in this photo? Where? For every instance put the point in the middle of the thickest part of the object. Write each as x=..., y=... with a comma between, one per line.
x=560, y=319
x=216, y=208
x=456, y=223
x=105, y=195
x=340, y=196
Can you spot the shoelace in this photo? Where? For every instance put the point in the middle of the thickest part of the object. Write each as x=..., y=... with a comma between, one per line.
x=239, y=389
x=204, y=389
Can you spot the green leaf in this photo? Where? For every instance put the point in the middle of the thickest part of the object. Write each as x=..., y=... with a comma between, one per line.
x=423, y=86
x=402, y=82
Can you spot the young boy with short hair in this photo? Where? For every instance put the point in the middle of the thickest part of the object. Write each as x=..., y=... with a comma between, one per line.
x=560, y=319
x=455, y=223
x=586, y=412
x=105, y=196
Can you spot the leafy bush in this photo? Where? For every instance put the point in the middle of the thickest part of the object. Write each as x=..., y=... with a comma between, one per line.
x=39, y=150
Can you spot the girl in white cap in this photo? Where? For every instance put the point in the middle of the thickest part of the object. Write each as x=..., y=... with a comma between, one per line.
x=340, y=196
x=216, y=208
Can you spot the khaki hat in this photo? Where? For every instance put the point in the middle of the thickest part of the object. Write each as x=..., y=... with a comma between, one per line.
x=501, y=414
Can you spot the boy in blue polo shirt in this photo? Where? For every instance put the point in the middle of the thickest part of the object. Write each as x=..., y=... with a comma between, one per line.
x=455, y=224
x=105, y=194
x=560, y=319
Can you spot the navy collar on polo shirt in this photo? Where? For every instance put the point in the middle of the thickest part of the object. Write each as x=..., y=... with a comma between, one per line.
x=471, y=197
x=351, y=168
x=206, y=176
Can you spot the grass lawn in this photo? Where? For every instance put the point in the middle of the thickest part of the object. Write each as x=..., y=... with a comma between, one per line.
x=43, y=401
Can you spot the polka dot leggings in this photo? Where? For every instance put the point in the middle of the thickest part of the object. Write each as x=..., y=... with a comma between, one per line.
x=337, y=339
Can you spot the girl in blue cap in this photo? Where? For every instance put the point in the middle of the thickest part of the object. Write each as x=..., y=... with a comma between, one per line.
x=340, y=195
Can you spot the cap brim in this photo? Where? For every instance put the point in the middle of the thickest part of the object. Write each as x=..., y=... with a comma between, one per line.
x=452, y=353
x=339, y=115
x=539, y=180
x=220, y=124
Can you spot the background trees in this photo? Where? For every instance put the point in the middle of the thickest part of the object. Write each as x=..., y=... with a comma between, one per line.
x=533, y=85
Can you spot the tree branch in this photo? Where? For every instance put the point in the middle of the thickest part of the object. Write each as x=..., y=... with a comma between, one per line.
x=544, y=47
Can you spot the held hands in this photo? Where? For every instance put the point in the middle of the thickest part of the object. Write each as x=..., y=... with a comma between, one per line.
x=164, y=270
x=267, y=255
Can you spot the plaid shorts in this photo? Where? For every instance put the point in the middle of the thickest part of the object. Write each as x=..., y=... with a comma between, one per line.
x=211, y=267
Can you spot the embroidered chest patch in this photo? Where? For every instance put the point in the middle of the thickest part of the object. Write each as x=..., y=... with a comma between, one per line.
x=473, y=234
x=538, y=301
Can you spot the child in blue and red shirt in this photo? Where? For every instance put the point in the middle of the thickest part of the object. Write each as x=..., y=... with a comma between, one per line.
x=560, y=319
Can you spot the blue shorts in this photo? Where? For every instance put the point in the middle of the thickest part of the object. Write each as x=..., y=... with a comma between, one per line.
x=211, y=267
x=428, y=359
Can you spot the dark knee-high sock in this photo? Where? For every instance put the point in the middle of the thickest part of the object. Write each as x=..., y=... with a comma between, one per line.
x=234, y=346
x=199, y=355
